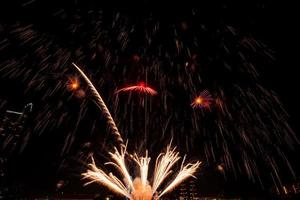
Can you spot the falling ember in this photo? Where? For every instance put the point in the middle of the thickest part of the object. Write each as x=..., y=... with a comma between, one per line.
x=204, y=100
x=140, y=188
x=140, y=88
x=220, y=168
x=136, y=58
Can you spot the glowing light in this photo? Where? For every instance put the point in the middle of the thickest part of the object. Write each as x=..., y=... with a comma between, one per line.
x=73, y=84
x=220, y=168
x=140, y=189
x=199, y=100
x=204, y=100
x=285, y=190
x=141, y=84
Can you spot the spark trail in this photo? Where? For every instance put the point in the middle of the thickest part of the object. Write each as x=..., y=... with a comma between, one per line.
x=102, y=105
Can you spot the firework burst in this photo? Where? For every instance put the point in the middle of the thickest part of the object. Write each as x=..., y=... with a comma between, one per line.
x=204, y=100
x=140, y=188
x=140, y=88
x=73, y=84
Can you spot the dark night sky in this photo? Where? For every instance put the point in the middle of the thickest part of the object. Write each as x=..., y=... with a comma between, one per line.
x=275, y=24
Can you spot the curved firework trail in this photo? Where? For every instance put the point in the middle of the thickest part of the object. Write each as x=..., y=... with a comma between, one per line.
x=102, y=105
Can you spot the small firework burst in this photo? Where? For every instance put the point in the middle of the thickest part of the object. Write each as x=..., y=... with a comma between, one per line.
x=141, y=87
x=204, y=100
x=73, y=84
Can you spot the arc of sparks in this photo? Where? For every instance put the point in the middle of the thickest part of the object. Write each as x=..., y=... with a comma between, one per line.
x=102, y=105
x=141, y=88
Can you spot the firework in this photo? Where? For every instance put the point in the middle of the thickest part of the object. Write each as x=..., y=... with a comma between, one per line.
x=140, y=189
x=185, y=172
x=219, y=57
x=204, y=100
x=73, y=83
x=102, y=105
x=143, y=163
x=140, y=88
x=113, y=183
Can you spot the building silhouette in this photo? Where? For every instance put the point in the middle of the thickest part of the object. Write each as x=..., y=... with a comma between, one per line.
x=11, y=130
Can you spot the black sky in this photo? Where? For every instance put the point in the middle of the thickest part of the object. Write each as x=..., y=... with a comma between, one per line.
x=275, y=24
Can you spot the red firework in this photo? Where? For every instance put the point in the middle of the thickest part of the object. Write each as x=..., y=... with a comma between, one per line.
x=204, y=100
x=141, y=88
